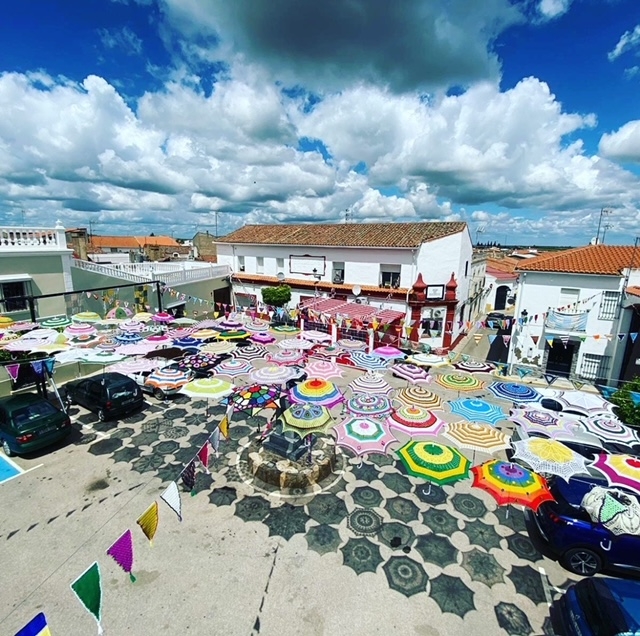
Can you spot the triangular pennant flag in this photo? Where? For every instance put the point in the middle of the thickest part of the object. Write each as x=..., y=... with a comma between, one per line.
x=535, y=339
x=491, y=337
x=214, y=439
x=171, y=496
x=121, y=551
x=452, y=356
x=506, y=340
x=633, y=336
x=577, y=384
x=606, y=391
x=189, y=477
x=465, y=357
x=49, y=364
x=550, y=379
x=13, y=370
x=37, y=626
x=37, y=367
x=203, y=456
x=148, y=521
x=522, y=372
x=477, y=337
x=635, y=397
x=223, y=427
x=88, y=588
x=564, y=340
x=549, y=341
x=621, y=337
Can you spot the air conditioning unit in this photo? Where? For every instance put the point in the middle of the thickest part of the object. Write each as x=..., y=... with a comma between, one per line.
x=428, y=314
x=438, y=313
x=358, y=300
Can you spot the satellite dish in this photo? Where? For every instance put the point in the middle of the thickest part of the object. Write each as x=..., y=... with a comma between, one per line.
x=280, y=276
x=356, y=290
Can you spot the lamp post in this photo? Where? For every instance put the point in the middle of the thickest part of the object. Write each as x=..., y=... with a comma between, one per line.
x=318, y=278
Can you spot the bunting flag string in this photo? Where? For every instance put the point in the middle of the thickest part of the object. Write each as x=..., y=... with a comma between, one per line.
x=203, y=456
x=189, y=477
x=171, y=496
x=148, y=521
x=37, y=626
x=549, y=378
x=121, y=551
x=88, y=588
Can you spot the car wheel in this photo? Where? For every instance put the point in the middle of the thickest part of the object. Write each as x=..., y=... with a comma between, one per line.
x=158, y=394
x=102, y=415
x=582, y=561
x=6, y=448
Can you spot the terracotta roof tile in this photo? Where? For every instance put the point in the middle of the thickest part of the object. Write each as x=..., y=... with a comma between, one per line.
x=634, y=290
x=405, y=235
x=160, y=241
x=114, y=241
x=592, y=259
x=507, y=265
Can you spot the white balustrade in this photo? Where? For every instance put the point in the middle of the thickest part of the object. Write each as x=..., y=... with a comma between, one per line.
x=27, y=239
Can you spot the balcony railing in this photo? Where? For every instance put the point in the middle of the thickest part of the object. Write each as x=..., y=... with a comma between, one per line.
x=27, y=239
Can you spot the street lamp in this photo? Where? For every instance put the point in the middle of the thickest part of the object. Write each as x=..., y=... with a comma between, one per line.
x=318, y=278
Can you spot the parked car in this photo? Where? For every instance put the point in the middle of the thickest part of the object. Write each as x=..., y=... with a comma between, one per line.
x=108, y=394
x=566, y=532
x=598, y=607
x=140, y=378
x=28, y=423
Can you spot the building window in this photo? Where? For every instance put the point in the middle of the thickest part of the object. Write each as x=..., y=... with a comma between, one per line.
x=241, y=263
x=10, y=296
x=390, y=276
x=245, y=300
x=466, y=268
x=280, y=265
x=594, y=367
x=338, y=273
x=568, y=298
x=608, y=305
x=260, y=265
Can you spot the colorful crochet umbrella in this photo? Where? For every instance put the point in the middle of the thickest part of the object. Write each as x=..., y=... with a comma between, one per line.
x=620, y=470
x=254, y=397
x=190, y=321
x=371, y=405
x=187, y=342
x=477, y=437
x=305, y=419
x=368, y=362
x=181, y=332
x=316, y=391
x=275, y=374
x=362, y=435
x=219, y=348
x=256, y=324
x=415, y=421
x=287, y=357
x=200, y=362
x=159, y=339
x=93, y=356
x=411, y=373
x=127, y=337
x=24, y=325
x=5, y=322
x=85, y=341
x=207, y=388
x=549, y=456
x=162, y=317
x=323, y=369
x=329, y=351
x=80, y=329
x=168, y=378
x=371, y=382
x=132, y=326
x=435, y=462
x=295, y=343
x=349, y=344
x=609, y=428
x=137, y=365
x=510, y=483
x=460, y=382
x=477, y=410
x=542, y=422
x=233, y=368
x=136, y=349
x=388, y=352
x=514, y=392
x=262, y=337
x=473, y=366
x=119, y=313
x=143, y=316
x=86, y=316
x=250, y=352
x=288, y=329
x=315, y=335
x=231, y=324
x=428, y=360
x=417, y=396
x=205, y=334
x=233, y=334
x=58, y=322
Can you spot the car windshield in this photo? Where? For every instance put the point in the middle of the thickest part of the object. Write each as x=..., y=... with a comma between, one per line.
x=122, y=390
x=25, y=416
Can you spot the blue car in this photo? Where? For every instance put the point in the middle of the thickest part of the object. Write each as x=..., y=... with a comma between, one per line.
x=564, y=531
x=598, y=607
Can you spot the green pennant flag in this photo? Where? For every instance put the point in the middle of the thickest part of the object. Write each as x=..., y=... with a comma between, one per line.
x=88, y=588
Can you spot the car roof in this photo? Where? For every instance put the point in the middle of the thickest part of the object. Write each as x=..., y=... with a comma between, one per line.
x=626, y=595
x=20, y=399
x=110, y=378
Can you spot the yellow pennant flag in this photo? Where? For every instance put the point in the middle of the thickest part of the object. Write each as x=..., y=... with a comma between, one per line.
x=148, y=521
x=224, y=427
x=216, y=314
x=374, y=324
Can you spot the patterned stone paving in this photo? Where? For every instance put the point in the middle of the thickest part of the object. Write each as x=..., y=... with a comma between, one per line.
x=446, y=542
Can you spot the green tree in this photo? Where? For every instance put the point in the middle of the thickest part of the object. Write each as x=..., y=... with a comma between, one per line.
x=627, y=411
x=276, y=296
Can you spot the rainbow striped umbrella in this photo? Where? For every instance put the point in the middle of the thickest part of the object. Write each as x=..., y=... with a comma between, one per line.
x=388, y=352
x=168, y=378
x=316, y=391
x=510, y=483
x=372, y=405
x=132, y=326
x=143, y=316
x=435, y=462
x=415, y=420
x=417, y=396
x=460, y=382
x=368, y=362
x=411, y=373
x=256, y=324
x=371, y=382
x=162, y=317
x=363, y=435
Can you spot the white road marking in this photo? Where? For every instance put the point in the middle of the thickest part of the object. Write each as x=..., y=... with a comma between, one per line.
x=22, y=471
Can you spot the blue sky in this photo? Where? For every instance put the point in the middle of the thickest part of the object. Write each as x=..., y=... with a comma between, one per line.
x=517, y=116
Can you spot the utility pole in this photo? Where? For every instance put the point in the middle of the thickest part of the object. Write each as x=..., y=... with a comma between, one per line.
x=603, y=212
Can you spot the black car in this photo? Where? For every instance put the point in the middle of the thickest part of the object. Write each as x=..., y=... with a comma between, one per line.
x=28, y=423
x=109, y=394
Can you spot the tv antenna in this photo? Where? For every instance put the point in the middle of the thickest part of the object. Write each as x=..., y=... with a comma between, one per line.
x=481, y=229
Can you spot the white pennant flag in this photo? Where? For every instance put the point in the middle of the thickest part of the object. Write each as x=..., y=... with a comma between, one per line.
x=214, y=439
x=171, y=496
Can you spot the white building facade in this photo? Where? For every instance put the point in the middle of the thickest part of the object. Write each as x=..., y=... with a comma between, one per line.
x=373, y=264
x=572, y=318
